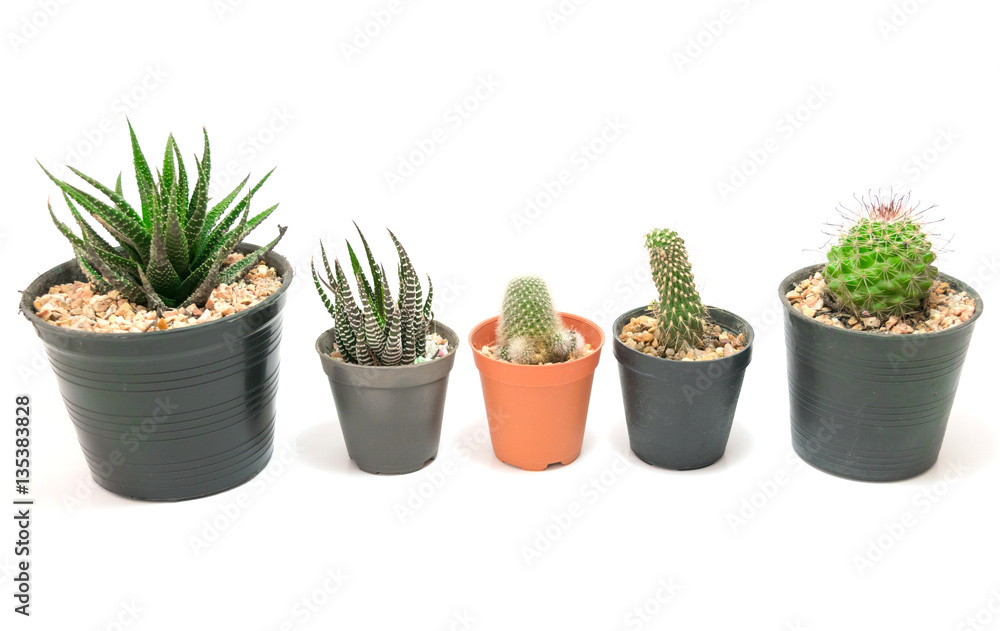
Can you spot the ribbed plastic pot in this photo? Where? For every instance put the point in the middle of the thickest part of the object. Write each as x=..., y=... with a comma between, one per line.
x=175, y=414
x=679, y=413
x=866, y=405
x=391, y=415
x=537, y=414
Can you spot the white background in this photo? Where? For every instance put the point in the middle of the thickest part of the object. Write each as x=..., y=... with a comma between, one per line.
x=912, y=105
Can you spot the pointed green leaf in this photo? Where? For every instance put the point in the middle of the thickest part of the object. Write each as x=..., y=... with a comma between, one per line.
x=365, y=288
x=153, y=299
x=144, y=179
x=177, y=245
x=114, y=195
x=199, y=196
x=326, y=264
x=128, y=289
x=161, y=274
x=122, y=226
x=168, y=177
x=322, y=293
x=210, y=235
x=376, y=276
x=181, y=190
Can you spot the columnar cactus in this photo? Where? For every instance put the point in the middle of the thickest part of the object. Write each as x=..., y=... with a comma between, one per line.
x=382, y=331
x=679, y=309
x=882, y=264
x=529, y=331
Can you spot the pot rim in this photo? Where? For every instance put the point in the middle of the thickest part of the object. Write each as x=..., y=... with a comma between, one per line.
x=27, y=309
x=491, y=321
x=797, y=277
x=618, y=344
x=350, y=366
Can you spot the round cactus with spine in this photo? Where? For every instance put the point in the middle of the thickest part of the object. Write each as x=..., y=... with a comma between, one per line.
x=529, y=331
x=679, y=310
x=882, y=264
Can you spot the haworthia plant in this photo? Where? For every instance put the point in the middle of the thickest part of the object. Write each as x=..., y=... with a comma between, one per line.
x=172, y=251
x=382, y=331
x=882, y=264
x=679, y=310
x=529, y=331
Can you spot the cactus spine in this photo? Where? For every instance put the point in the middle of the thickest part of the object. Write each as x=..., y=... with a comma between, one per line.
x=529, y=331
x=882, y=264
x=679, y=309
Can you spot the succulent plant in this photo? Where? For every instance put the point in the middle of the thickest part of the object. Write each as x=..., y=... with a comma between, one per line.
x=172, y=252
x=679, y=311
x=529, y=331
x=882, y=264
x=382, y=331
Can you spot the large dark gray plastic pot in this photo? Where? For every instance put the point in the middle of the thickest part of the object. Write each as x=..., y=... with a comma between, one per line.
x=175, y=414
x=867, y=405
x=679, y=413
x=390, y=415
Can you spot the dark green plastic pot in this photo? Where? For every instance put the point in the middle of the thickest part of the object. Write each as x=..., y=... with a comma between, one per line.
x=175, y=414
x=867, y=405
x=391, y=415
x=679, y=413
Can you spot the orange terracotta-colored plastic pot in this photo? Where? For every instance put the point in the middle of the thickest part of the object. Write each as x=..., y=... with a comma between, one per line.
x=537, y=414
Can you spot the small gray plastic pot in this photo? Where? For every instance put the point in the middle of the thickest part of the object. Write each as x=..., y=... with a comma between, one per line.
x=866, y=405
x=679, y=413
x=390, y=415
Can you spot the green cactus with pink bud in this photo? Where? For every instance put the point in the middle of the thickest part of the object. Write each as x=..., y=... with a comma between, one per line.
x=529, y=330
x=882, y=264
x=679, y=310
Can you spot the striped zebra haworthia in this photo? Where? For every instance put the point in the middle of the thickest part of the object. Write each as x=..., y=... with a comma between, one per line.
x=381, y=331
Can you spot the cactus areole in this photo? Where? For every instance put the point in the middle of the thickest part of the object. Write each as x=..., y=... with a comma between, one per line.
x=882, y=265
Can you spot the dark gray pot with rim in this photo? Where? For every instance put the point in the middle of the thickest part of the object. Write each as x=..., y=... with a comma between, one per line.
x=391, y=415
x=679, y=413
x=866, y=405
x=175, y=414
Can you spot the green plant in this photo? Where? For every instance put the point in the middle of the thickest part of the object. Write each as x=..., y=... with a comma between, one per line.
x=172, y=252
x=383, y=331
x=529, y=331
x=679, y=311
x=882, y=264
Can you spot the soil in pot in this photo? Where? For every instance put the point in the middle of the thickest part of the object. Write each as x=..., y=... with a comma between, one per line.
x=640, y=334
x=170, y=414
x=946, y=307
x=537, y=413
x=391, y=416
x=872, y=405
x=679, y=408
x=76, y=305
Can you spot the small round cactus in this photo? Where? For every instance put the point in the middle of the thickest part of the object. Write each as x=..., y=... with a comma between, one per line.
x=529, y=331
x=882, y=264
x=679, y=309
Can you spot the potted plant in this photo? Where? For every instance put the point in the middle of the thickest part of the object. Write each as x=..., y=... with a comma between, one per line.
x=876, y=338
x=681, y=365
x=388, y=363
x=537, y=368
x=165, y=346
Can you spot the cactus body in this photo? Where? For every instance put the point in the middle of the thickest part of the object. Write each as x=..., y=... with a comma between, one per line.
x=529, y=331
x=679, y=309
x=882, y=265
